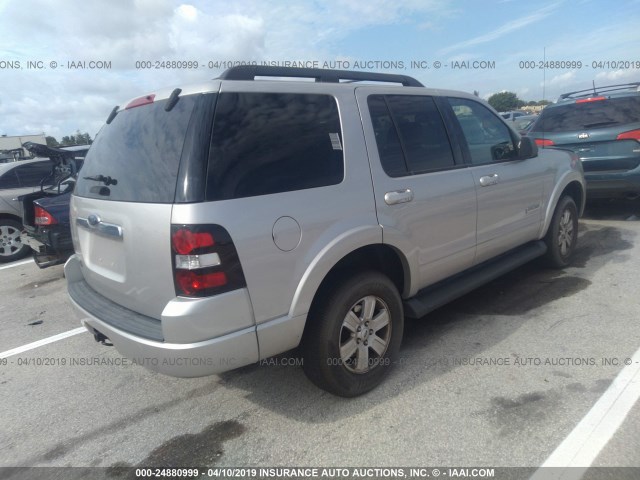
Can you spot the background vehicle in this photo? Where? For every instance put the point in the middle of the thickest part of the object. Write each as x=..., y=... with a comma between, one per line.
x=45, y=213
x=523, y=123
x=221, y=223
x=602, y=126
x=511, y=116
x=12, y=155
x=16, y=179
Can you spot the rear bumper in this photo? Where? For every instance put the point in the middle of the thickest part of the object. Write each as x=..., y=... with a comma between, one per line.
x=162, y=348
x=178, y=359
x=51, y=246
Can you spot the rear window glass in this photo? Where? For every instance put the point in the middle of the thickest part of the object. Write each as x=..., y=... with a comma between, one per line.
x=584, y=116
x=141, y=151
x=266, y=143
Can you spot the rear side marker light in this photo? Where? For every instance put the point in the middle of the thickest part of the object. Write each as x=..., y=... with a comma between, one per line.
x=138, y=102
x=543, y=142
x=630, y=135
x=42, y=217
x=591, y=99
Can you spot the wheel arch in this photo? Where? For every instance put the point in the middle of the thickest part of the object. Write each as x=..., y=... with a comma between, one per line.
x=570, y=186
x=10, y=216
x=379, y=257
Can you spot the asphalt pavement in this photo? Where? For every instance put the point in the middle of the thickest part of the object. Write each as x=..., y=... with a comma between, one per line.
x=500, y=377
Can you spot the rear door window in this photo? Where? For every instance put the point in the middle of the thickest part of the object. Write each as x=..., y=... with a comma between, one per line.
x=141, y=151
x=31, y=175
x=266, y=143
x=410, y=134
x=9, y=180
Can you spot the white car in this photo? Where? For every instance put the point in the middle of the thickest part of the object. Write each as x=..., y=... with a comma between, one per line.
x=511, y=116
x=16, y=179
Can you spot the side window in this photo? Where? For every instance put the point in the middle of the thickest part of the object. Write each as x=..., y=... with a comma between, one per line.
x=410, y=134
x=264, y=143
x=387, y=140
x=489, y=139
x=30, y=175
x=9, y=180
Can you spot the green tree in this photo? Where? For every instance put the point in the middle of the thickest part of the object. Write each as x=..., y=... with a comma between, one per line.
x=505, y=101
x=78, y=139
x=51, y=141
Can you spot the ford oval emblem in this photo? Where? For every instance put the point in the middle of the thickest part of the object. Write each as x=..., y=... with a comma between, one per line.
x=583, y=135
x=93, y=220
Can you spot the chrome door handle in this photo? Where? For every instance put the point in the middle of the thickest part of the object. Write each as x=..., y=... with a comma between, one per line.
x=489, y=180
x=399, y=196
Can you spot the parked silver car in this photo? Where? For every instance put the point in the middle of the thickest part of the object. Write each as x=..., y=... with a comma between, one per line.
x=512, y=116
x=16, y=179
x=223, y=223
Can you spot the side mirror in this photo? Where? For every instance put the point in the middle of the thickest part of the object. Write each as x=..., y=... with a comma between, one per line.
x=527, y=148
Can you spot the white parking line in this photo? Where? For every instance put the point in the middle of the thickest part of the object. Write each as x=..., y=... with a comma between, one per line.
x=594, y=431
x=23, y=262
x=44, y=341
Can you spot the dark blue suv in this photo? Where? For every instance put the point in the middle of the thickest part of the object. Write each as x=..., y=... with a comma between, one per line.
x=602, y=126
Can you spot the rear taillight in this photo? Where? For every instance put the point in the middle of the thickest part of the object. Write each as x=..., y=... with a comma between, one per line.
x=42, y=217
x=630, y=135
x=205, y=261
x=591, y=99
x=543, y=142
x=191, y=283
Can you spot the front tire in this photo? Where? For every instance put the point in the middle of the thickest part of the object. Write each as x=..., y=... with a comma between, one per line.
x=353, y=334
x=11, y=247
x=562, y=237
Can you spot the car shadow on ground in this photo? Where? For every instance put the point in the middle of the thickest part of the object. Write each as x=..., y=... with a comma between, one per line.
x=612, y=209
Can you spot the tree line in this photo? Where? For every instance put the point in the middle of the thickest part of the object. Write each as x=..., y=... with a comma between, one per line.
x=505, y=101
x=79, y=138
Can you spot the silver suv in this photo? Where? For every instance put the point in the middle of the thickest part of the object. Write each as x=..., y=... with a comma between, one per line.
x=223, y=223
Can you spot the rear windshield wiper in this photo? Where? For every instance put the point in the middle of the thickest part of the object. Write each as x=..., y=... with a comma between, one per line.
x=101, y=178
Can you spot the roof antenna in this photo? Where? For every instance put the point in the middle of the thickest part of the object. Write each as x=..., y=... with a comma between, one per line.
x=594, y=87
x=544, y=71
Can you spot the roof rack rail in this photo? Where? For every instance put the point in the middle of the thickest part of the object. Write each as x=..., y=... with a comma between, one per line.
x=598, y=90
x=249, y=72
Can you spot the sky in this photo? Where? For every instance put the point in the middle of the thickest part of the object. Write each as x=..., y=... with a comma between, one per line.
x=485, y=46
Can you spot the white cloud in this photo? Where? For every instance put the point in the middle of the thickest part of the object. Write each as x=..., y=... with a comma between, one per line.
x=509, y=27
x=562, y=79
x=621, y=76
x=122, y=32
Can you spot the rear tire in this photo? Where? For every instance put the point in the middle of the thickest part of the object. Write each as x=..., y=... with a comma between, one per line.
x=562, y=236
x=11, y=247
x=353, y=334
